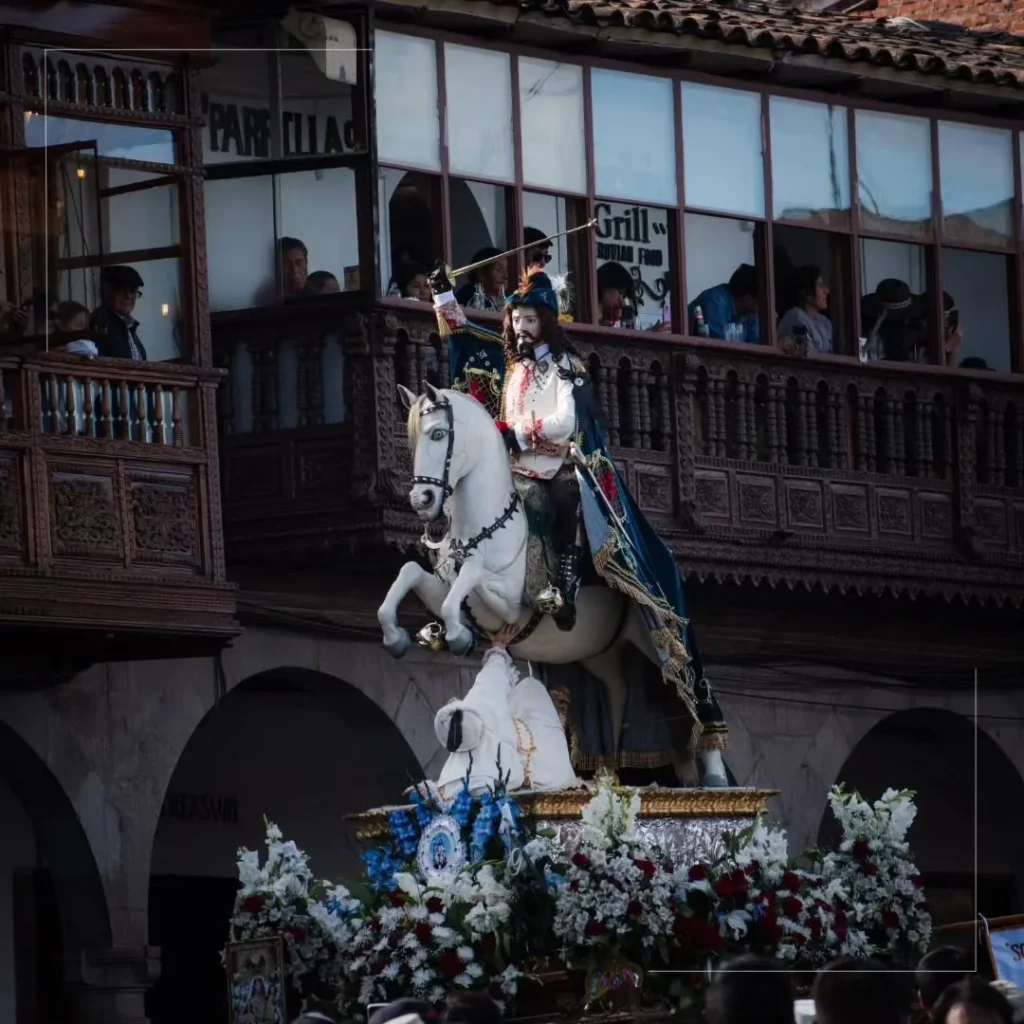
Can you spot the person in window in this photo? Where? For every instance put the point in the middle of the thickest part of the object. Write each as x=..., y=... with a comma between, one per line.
x=117, y=331
x=806, y=316
x=724, y=304
x=615, y=292
x=952, y=328
x=974, y=363
x=294, y=266
x=322, y=282
x=73, y=318
x=890, y=315
x=538, y=252
x=485, y=288
x=14, y=320
x=410, y=282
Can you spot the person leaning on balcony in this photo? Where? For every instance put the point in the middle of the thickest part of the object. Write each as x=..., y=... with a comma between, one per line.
x=889, y=315
x=117, y=331
x=485, y=288
x=735, y=302
x=809, y=297
x=409, y=281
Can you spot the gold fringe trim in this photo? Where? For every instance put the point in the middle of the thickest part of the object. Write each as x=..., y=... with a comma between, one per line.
x=626, y=759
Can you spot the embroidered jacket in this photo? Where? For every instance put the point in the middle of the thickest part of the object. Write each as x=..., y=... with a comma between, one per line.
x=537, y=402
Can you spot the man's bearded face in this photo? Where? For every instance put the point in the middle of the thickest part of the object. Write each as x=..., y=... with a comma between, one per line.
x=526, y=325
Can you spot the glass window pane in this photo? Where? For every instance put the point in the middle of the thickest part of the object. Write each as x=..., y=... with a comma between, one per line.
x=546, y=215
x=113, y=140
x=894, y=171
x=723, y=149
x=634, y=260
x=479, y=89
x=634, y=136
x=976, y=176
x=551, y=109
x=894, y=280
x=976, y=286
x=409, y=231
x=479, y=219
x=318, y=253
x=405, y=91
x=725, y=281
x=317, y=112
x=810, y=162
x=146, y=218
x=236, y=106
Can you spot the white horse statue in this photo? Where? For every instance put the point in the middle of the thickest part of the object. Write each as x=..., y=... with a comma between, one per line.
x=459, y=457
x=505, y=720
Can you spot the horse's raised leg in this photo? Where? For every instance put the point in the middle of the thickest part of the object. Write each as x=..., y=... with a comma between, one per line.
x=459, y=638
x=429, y=589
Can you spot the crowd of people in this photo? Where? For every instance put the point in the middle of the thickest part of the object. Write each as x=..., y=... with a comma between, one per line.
x=945, y=989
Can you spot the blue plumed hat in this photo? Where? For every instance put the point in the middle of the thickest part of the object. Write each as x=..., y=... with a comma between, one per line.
x=536, y=289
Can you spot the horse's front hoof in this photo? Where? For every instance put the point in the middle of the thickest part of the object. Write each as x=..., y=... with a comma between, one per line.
x=714, y=782
x=399, y=647
x=462, y=642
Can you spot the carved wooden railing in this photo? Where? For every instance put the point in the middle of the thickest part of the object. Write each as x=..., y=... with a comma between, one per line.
x=750, y=463
x=109, y=498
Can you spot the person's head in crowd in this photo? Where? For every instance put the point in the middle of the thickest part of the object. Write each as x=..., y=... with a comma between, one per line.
x=614, y=291
x=952, y=327
x=120, y=288
x=938, y=970
x=972, y=1001
x=412, y=282
x=405, y=1011
x=743, y=288
x=71, y=316
x=294, y=265
x=322, y=282
x=808, y=291
x=494, y=277
x=855, y=990
x=974, y=363
x=472, y=1008
x=750, y=990
x=538, y=251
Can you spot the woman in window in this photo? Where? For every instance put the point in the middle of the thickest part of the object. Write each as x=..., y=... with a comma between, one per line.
x=805, y=327
x=410, y=282
x=486, y=286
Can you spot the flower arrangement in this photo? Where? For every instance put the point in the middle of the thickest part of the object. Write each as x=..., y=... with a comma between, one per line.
x=512, y=898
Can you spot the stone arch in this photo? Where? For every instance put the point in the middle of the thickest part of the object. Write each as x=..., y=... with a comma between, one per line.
x=69, y=906
x=932, y=750
x=295, y=744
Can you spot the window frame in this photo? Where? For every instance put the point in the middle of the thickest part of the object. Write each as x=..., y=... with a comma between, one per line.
x=586, y=282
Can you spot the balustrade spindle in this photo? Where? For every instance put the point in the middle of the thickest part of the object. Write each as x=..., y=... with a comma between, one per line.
x=720, y=433
x=862, y=457
x=711, y=441
x=88, y=408
x=776, y=424
x=889, y=412
x=809, y=402
x=612, y=407
x=1019, y=446
x=420, y=355
x=899, y=436
x=947, y=440
x=71, y=427
x=837, y=408
x=106, y=420
x=124, y=416
x=644, y=401
x=54, y=392
x=924, y=438
x=176, y=418
x=142, y=412
x=310, y=398
x=3, y=403
x=870, y=434
x=665, y=413
x=159, y=429
x=997, y=446
x=742, y=423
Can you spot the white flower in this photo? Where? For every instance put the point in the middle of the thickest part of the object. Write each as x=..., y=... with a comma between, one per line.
x=465, y=953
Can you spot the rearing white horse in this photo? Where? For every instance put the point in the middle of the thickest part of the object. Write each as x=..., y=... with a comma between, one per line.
x=459, y=457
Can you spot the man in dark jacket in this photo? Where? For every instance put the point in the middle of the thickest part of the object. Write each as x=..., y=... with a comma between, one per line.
x=117, y=331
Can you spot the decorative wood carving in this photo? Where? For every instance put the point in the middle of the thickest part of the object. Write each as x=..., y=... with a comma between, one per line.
x=11, y=524
x=165, y=518
x=86, y=519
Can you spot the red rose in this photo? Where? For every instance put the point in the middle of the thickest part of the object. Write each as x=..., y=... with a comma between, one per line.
x=635, y=908
x=890, y=919
x=396, y=899
x=840, y=930
x=724, y=887
x=297, y=932
x=870, y=870
x=917, y=881
x=792, y=907
x=594, y=928
x=861, y=849
x=252, y=904
x=668, y=866
x=799, y=940
x=435, y=905
x=770, y=928
x=449, y=964
x=841, y=918
x=814, y=924
x=791, y=881
x=683, y=925
x=488, y=944
x=646, y=867
x=423, y=932
x=698, y=873
x=709, y=936
x=739, y=880
x=581, y=860
x=574, y=885
x=768, y=898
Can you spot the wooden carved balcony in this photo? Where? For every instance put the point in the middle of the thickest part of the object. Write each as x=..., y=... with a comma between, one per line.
x=754, y=466
x=110, y=533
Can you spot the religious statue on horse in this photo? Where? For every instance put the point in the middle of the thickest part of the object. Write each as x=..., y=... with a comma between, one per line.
x=546, y=548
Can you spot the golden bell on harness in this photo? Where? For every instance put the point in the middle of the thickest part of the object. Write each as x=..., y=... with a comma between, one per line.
x=550, y=600
x=431, y=636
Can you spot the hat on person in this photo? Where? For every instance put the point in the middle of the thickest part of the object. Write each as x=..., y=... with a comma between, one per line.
x=893, y=298
x=534, y=237
x=121, y=276
x=535, y=289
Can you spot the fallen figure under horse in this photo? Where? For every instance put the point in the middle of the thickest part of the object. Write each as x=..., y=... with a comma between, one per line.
x=628, y=629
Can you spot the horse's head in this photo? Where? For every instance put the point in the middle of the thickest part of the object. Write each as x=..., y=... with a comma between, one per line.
x=441, y=453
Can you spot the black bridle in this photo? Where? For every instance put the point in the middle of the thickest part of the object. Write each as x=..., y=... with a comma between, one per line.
x=446, y=488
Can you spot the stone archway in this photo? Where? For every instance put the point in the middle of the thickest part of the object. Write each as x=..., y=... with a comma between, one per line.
x=58, y=911
x=296, y=745
x=932, y=751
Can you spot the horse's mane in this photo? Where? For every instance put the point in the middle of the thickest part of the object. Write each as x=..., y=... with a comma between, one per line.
x=417, y=409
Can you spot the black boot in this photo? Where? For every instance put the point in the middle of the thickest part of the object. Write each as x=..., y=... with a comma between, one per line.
x=569, y=585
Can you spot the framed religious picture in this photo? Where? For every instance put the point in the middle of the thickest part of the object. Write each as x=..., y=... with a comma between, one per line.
x=1004, y=937
x=256, y=980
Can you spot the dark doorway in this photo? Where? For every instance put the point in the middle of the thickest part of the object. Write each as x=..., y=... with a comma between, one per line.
x=192, y=986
